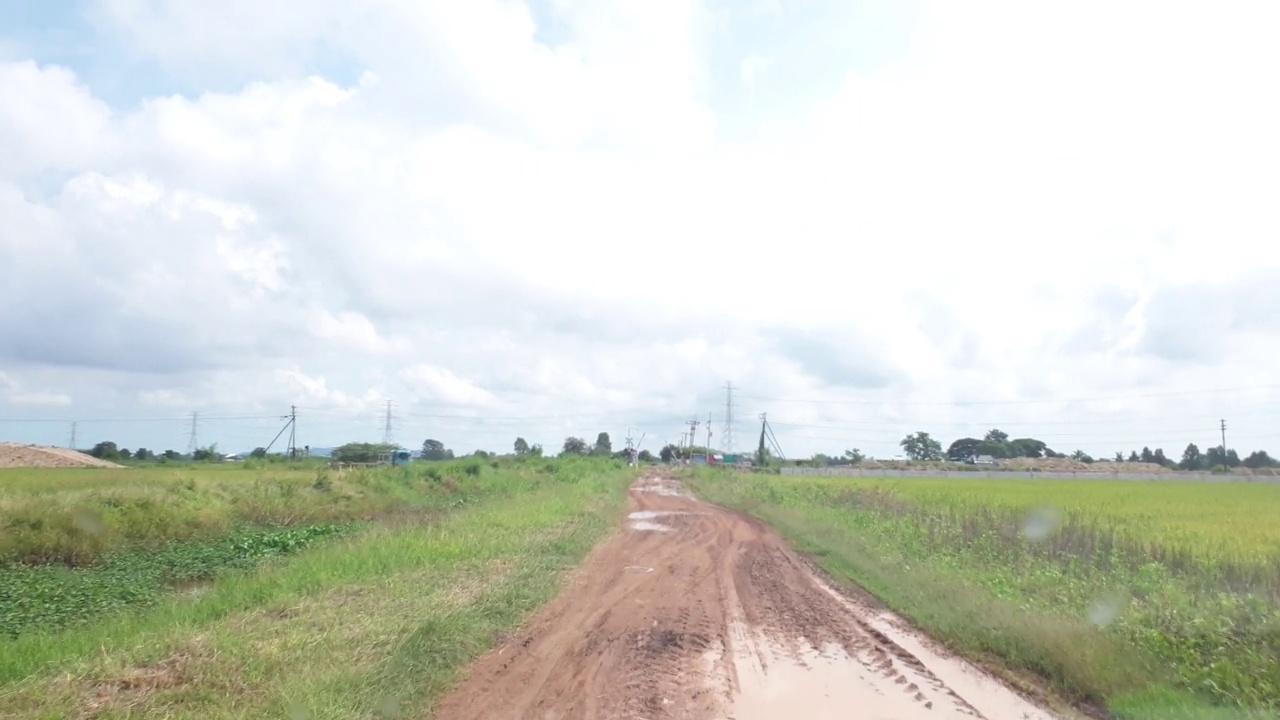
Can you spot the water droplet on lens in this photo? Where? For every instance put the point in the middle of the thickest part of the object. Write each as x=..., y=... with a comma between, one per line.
x=1106, y=608
x=1041, y=523
x=88, y=521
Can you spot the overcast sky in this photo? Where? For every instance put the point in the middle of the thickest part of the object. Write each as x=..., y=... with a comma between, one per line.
x=558, y=217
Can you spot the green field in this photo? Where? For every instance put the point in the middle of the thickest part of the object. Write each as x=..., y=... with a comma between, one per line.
x=276, y=590
x=1153, y=599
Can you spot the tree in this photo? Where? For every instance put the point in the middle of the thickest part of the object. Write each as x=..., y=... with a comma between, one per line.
x=1133, y=456
x=1215, y=457
x=1259, y=459
x=521, y=446
x=105, y=450
x=435, y=450
x=668, y=453
x=604, y=446
x=920, y=446
x=854, y=456
x=358, y=452
x=206, y=454
x=125, y=454
x=1158, y=457
x=482, y=454
x=1027, y=448
x=171, y=455
x=645, y=456
x=535, y=450
x=258, y=452
x=963, y=449
x=1190, y=458
x=1147, y=456
x=1081, y=456
x=574, y=446
x=1119, y=456
x=996, y=436
x=143, y=454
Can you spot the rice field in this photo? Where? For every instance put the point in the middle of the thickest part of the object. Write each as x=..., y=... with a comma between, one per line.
x=1151, y=598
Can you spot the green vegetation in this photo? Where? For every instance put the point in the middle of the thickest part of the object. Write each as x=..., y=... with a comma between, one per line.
x=75, y=516
x=50, y=597
x=1154, y=599
x=420, y=569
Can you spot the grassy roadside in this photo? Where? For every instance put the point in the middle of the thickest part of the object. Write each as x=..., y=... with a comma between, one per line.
x=371, y=625
x=1103, y=625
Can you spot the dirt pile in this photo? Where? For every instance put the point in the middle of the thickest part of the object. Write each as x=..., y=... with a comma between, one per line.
x=693, y=612
x=13, y=455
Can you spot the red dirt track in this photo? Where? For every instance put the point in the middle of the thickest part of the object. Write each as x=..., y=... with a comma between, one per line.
x=693, y=612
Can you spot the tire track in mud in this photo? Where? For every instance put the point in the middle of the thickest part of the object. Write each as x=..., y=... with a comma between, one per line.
x=694, y=612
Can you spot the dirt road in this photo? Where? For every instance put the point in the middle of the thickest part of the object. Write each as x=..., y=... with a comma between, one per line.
x=692, y=612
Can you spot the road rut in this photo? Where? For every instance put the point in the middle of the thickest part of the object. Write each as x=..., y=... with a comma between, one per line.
x=694, y=612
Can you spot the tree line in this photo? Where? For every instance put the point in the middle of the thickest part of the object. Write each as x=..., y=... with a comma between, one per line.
x=107, y=450
x=433, y=449
x=920, y=446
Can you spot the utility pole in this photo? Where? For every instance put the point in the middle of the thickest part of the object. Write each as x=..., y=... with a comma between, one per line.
x=386, y=433
x=193, y=441
x=708, y=434
x=1223, y=425
x=293, y=432
x=73, y=436
x=728, y=417
x=632, y=450
x=764, y=423
x=693, y=433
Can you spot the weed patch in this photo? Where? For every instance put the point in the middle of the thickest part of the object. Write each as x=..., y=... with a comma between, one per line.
x=49, y=598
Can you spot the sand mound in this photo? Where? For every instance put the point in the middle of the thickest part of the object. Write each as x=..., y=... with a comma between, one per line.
x=15, y=455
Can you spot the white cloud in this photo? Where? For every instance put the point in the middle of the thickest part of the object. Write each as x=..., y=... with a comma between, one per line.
x=434, y=384
x=13, y=392
x=472, y=218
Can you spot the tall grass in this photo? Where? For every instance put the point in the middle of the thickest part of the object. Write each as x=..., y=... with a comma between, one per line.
x=373, y=624
x=75, y=517
x=1109, y=590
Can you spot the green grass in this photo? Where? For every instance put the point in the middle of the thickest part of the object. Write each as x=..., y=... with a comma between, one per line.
x=376, y=621
x=45, y=598
x=74, y=517
x=1156, y=599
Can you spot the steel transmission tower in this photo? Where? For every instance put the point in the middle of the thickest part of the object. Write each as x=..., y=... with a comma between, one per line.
x=193, y=441
x=386, y=433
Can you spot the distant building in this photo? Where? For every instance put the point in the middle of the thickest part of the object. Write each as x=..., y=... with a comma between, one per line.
x=982, y=460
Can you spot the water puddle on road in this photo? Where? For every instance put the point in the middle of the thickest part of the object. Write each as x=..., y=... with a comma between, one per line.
x=660, y=486
x=645, y=519
x=824, y=684
x=650, y=526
